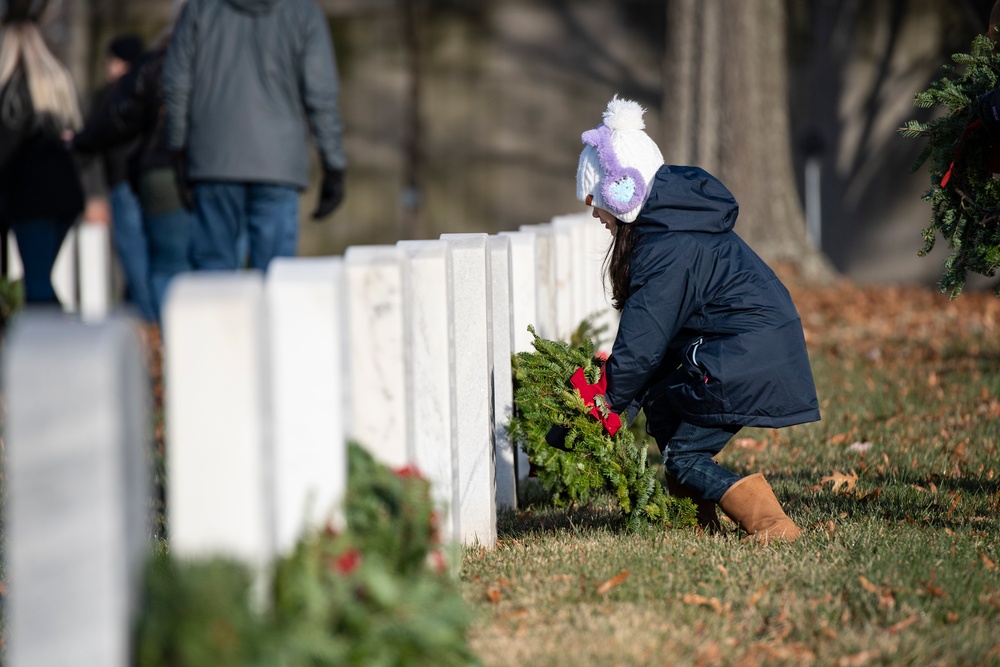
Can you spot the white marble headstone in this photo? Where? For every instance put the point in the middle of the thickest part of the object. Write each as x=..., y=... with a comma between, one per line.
x=475, y=483
x=219, y=462
x=565, y=285
x=524, y=310
x=78, y=489
x=94, y=270
x=546, y=321
x=375, y=340
x=597, y=240
x=575, y=234
x=503, y=388
x=524, y=302
x=429, y=368
x=306, y=322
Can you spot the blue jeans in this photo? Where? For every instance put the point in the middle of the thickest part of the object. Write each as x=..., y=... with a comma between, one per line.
x=688, y=449
x=129, y=239
x=38, y=242
x=265, y=214
x=169, y=236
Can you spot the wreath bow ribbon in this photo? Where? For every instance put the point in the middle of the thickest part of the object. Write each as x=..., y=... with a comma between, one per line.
x=992, y=161
x=593, y=398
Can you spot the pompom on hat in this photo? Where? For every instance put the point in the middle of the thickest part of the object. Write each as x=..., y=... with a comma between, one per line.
x=618, y=161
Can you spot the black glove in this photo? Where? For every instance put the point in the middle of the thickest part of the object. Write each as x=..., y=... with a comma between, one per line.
x=556, y=437
x=184, y=191
x=331, y=193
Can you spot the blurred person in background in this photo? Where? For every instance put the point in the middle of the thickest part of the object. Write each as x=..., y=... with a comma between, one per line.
x=41, y=194
x=135, y=114
x=126, y=217
x=245, y=81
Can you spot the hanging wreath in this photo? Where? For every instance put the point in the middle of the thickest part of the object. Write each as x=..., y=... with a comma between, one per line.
x=962, y=158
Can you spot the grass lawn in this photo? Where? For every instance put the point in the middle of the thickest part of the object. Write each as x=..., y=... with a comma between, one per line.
x=897, y=490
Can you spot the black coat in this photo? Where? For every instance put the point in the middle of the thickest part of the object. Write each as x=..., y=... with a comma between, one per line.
x=38, y=176
x=707, y=322
x=114, y=159
x=133, y=116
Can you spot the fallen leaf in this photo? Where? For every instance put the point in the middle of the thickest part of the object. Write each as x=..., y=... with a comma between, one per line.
x=902, y=625
x=840, y=479
x=748, y=443
x=871, y=496
x=612, y=582
x=709, y=654
x=951, y=617
x=757, y=595
x=867, y=585
x=858, y=659
x=990, y=565
x=840, y=438
x=692, y=598
x=935, y=591
x=954, y=503
x=494, y=594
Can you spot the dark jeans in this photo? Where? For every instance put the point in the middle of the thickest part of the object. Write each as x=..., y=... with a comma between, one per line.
x=130, y=242
x=38, y=242
x=267, y=215
x=169, y=237
x=688, y=449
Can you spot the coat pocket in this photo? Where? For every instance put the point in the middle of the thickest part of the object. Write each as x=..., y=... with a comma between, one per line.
x=697, y=386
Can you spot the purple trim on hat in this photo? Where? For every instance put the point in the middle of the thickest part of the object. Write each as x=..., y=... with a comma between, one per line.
x=622, y=188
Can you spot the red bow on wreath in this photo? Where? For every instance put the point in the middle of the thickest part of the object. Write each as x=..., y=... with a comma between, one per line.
x=992, y=160
x=593, y=398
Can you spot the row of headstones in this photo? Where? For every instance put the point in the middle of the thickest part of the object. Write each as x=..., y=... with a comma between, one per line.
x=405, y=349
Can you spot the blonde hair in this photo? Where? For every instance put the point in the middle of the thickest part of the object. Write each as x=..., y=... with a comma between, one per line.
x=53, y=94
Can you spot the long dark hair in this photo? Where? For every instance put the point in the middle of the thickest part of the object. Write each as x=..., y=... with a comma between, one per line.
x=618, y=263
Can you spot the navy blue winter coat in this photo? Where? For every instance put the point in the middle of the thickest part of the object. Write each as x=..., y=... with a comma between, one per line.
x=706, y=319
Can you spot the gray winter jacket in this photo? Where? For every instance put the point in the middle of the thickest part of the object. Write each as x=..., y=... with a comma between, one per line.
x=244, y=82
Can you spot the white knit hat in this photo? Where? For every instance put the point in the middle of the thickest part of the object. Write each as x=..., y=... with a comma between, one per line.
x=618, y=162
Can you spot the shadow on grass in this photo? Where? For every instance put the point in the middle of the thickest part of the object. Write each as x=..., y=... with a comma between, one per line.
x=896, y=498
x=934, y=501
x=538, y=515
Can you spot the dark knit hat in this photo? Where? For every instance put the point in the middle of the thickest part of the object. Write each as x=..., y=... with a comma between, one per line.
x=127, y=48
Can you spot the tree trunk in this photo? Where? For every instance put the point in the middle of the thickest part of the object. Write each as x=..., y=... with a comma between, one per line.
x=726, y=110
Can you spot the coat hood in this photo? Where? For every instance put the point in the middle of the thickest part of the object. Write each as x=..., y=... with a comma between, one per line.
x=688, y=199
x=254, y=6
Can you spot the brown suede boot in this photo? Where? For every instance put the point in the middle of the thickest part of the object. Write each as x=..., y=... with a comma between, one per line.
x=708, y=520
x=751, y=503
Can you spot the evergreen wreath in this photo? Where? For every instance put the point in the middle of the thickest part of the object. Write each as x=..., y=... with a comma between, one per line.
x=593, y=461
x=377, y=593
x=966, y=204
